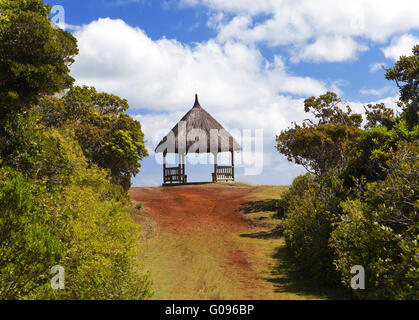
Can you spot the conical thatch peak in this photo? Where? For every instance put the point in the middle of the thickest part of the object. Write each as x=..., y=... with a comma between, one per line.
x=197, y=132
x=196, y=104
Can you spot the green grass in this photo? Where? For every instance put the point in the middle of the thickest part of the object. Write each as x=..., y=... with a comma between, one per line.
x=139, y=205
x=188, y=267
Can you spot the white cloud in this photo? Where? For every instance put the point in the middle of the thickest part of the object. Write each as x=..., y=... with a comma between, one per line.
x=401, y=46
x=330, y=49
x=302, y=23
x=247, y=6
x=231, y=78
x=390, y=102
x=377, y=66
x=378, y=92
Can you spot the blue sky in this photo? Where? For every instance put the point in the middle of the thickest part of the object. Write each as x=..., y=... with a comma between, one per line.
x=252, y=63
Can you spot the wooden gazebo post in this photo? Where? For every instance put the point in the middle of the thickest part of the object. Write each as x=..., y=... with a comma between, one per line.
x=232, y=163
x=180, y=167
x=182, y=157
x=215, y=167
x=164, y=166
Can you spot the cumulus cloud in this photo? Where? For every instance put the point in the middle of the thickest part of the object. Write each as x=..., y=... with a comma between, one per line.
x=306, y=24
x=377, y=66
x=330, y=49
x=401, y=46
x=378, y=92
x=163, y=75
x=245, y=6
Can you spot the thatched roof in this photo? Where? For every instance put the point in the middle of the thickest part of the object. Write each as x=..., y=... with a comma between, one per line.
x=197, y=132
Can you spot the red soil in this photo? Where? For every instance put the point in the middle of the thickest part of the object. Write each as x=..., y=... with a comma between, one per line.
x=195, y=208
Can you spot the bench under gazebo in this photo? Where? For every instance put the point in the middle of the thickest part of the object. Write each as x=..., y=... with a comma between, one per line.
x=197, y=132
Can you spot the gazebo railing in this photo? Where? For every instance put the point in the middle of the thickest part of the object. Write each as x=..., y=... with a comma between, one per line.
x=223, y=173
x=175, y=175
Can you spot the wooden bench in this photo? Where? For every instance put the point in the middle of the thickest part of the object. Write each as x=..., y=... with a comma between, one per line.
x=223, y=174
x=175, y=175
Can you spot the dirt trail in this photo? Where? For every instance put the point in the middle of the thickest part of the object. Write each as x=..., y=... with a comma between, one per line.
x=195, y=208
x=195, y=249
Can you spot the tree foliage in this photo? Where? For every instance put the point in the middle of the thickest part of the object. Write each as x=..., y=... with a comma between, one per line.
x=108, y=136
x=381, y=232
x=321, y=145
x=34, y=56
x=405, y=73
x=85, y=226
x=310, y=215
x=379, y=115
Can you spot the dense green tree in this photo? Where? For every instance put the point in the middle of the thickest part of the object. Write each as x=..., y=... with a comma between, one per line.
x=108, y=136
x=34, y=56
x=381, y=231
x=371, y=151
x=29, y=243
x=30, y=150
x=310, y=216
x=85, y=225
x=405, y=73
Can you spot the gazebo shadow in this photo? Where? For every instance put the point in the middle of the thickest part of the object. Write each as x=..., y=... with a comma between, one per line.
x=187, y=184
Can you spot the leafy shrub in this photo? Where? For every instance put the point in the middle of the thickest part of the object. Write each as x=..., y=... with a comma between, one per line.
x=29, y=240
x=381, y=232
x=139, y=205
x=85, y=226
x=371, y=151
x=101, y=259
x=309, y=221
x=362, y=207
x=299, y=185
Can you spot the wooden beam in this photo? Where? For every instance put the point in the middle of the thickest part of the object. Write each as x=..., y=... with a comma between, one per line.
x=164, y=167
x=183, y=168
x=232, y=162
x=215, y=167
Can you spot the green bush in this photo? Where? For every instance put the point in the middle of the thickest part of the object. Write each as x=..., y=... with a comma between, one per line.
x=381, y=232
x=30, y=243
x=85, y=226
x=299, y=185
x=101, y=260
x=309, y=221
x=139, y=205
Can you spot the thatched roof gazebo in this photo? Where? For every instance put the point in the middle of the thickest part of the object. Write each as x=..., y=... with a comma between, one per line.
x=197, y=132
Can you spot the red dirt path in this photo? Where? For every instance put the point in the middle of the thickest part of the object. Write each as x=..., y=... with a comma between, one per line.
x=195, y=208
